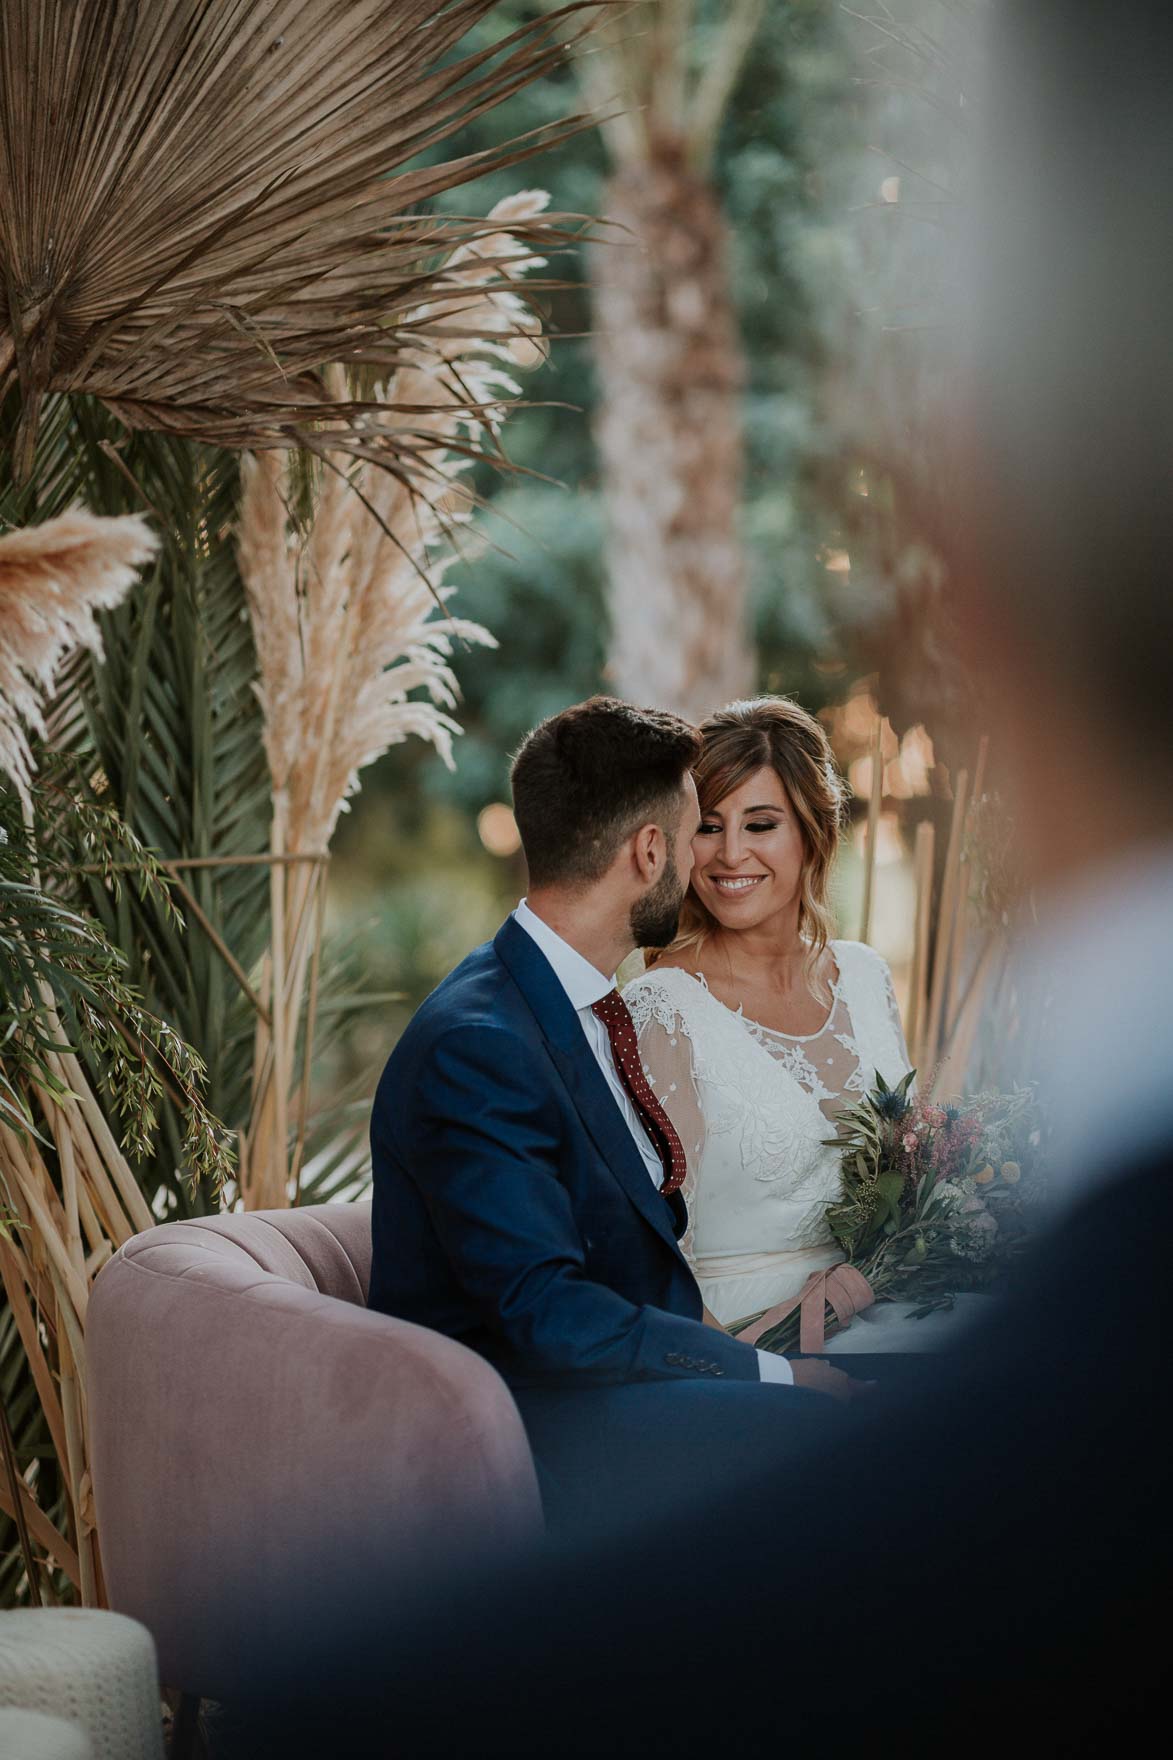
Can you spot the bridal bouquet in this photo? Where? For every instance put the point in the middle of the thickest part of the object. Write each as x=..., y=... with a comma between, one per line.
x=936, y=1198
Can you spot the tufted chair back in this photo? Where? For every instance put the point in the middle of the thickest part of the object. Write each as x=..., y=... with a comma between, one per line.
x=261, y=1439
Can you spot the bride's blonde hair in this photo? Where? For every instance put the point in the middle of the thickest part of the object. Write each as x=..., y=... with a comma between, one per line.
x=777, y=733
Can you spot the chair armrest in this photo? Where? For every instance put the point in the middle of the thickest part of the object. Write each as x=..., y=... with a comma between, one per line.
x=257, y=1445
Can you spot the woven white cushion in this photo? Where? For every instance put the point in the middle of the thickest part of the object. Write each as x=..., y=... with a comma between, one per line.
x=91, y=1668
x=30, y=1735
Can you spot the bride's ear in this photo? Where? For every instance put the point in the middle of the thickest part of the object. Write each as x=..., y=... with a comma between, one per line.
x=649, y=852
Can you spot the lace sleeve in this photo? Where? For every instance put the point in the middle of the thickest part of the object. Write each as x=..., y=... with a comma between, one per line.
x=666, y=1052
x=894, y=1015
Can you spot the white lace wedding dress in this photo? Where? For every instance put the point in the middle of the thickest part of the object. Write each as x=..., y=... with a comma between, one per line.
x=753, y=1108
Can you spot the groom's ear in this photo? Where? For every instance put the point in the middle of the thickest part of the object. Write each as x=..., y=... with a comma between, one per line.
x=649, y=852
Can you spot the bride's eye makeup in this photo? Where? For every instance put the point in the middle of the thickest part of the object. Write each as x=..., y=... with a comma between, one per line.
x=708, y=829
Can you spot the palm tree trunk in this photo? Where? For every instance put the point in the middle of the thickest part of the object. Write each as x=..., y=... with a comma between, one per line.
x=669, y=436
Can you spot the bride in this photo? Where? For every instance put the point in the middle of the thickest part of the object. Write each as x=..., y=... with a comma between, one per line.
x=754, y=1026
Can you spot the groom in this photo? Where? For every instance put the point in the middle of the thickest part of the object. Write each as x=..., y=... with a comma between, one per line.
x=526, y=1179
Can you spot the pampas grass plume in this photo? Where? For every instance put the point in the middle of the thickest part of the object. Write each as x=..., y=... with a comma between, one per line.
x=54, y=578
x=345, y=616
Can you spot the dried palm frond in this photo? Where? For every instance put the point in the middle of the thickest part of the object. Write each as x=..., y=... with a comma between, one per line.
x=204, y=201
x=53, y=579
x=343, y=609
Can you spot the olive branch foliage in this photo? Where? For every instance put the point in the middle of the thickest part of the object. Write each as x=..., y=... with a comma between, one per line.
x=50, y=947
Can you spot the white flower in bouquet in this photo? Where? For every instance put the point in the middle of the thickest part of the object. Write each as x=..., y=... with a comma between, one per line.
x=973, y=1232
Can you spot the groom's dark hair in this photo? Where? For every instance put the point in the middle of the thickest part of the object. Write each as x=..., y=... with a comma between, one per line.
x=587, y=778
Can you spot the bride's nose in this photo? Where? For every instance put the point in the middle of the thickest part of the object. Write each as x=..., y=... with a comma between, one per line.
x=731, y=847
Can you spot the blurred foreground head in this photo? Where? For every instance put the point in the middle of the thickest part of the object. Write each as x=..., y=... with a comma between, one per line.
x=1063, y=578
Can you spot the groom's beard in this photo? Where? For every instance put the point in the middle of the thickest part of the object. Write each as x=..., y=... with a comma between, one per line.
x=656, y=916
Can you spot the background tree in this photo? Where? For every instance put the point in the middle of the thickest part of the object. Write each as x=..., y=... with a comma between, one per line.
x=671, y=366
x=411, y=878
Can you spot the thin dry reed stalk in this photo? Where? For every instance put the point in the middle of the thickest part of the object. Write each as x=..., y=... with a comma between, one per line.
x=74, y=1200
x=961, y=921
x=47, y=1279
x=950, y=899
x=918, y=979
x=957, y=965
x=963, y=1028
x=875, y=800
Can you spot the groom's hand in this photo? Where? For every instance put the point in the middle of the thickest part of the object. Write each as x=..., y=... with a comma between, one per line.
x=812, y=1372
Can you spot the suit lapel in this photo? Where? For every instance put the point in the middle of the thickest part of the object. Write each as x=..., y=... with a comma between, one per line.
x=576, y=1064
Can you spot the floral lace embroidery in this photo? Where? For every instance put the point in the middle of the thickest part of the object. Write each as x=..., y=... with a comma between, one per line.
x=860, y=1080
x=794, y=1060
x=648, y=1002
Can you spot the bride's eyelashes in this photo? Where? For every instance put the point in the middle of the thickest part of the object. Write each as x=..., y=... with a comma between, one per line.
x=754, y=825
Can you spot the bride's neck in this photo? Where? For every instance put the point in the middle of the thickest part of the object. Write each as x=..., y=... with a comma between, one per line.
x=774, y=947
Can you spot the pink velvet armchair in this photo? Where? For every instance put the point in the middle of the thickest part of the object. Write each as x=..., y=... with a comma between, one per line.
x=257, y=1431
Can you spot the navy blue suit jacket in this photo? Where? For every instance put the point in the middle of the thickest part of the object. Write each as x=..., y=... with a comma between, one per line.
x=512, y=1210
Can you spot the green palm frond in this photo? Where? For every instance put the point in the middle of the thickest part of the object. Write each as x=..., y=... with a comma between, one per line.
x=169, y=724
x=203, y=202
x=337, y=1166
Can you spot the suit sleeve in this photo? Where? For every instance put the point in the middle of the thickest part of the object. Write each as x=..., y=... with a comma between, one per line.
x=486, y=1132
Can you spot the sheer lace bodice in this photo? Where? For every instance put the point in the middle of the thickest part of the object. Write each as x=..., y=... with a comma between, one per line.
x=752, y=1109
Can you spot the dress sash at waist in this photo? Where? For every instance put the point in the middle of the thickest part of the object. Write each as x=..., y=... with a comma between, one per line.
x=736, y=1284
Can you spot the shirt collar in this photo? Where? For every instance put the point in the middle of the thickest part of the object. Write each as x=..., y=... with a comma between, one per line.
x=583, y=983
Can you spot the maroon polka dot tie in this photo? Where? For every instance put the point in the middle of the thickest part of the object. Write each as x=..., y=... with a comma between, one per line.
x=616, y=1017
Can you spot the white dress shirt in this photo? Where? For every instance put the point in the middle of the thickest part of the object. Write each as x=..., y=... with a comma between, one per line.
x=584, y=984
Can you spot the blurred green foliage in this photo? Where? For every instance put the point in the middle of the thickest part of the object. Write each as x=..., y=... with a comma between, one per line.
x=538, y=584
x=410, y=873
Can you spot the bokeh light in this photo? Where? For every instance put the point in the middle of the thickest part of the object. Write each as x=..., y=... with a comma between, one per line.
x=497, y=829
